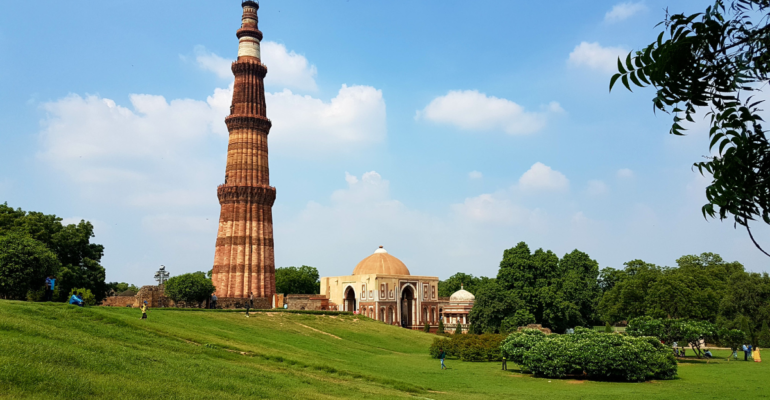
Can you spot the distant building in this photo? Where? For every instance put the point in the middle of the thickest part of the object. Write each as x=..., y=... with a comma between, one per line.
x=382, y=288
x=457, y=310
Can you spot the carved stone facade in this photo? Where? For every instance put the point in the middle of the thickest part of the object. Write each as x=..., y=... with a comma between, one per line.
x=244, y=258
x=382, y=288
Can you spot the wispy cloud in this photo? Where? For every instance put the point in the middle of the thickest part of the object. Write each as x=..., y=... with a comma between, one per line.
x=623, y=11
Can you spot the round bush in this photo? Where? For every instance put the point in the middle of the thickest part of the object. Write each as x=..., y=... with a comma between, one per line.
x=591, y=354
x=518, y=343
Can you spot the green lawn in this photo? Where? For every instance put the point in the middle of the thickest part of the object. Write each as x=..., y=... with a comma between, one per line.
x=57, y=351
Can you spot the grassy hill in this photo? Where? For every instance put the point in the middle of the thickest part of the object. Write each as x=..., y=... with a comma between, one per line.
x=58, y=351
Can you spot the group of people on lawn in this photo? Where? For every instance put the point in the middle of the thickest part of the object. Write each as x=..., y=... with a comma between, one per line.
x=50, y=286
x=749, y=352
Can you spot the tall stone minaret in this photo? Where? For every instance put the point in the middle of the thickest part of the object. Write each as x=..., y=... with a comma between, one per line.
x=244, y=260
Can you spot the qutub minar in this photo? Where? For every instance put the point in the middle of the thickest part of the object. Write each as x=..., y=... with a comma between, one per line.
x=244, y=260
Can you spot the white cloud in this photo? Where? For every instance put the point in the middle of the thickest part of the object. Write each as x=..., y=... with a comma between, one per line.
x=214, y=63
x=623, y=11
x=471, y=110
x=541, y=177
x=494, y=209
x=475, y=175
x=355, y=117
x=625, y=173
x=287, y=69
x=597, y=188
x=92, y=140
x=594, y=56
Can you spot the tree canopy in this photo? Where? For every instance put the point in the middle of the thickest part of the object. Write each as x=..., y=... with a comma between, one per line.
x=716, y=60
x=467, y=281
x=293, y=280
x=77, y=256
x=190, y=288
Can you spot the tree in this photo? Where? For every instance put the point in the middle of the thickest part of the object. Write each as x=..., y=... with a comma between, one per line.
x=189, y=288
x=461, y=280
x=608, y=328
x=526, y=275
x=120, y=287
x=573, y=294
x=673, y=330
x=293, y=280
x=732, y=338
x=628, y=298
x=716, y=60
x=520, y=318
x=459, y=329
x=71, y=243
x=746, y=305
x=440, y=328
x=24, y=265
x=763, y=339
x=426, y=327
x=492, y=305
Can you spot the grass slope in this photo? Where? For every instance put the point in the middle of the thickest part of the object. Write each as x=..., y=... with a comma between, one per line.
x=58, y=351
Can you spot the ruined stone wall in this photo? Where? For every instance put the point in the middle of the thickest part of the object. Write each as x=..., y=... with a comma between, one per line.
x=307, y=302
x=262, y=303
x=119, y=301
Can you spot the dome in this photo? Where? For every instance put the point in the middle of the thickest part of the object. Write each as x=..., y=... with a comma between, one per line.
x=381, y=263
x=462, y=296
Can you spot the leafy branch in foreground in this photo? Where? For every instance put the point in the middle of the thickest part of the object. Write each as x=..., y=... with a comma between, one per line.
x=716, y=60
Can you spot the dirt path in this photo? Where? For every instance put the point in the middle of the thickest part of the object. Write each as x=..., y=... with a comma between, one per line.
x=325, y=333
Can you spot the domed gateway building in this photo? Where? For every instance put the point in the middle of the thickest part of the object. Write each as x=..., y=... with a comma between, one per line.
x=381, y=287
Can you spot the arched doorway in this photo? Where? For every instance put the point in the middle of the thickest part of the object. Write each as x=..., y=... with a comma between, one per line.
x=350, y=299
x=391, y=315
x=407, y=302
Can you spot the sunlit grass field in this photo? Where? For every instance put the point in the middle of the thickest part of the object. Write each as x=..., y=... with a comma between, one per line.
x=55, y=351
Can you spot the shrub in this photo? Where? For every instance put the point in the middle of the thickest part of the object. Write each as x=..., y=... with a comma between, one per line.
x=426, y=328
x=607, y=328
x=518, y=343
x=595, y=355
x=88, y=298
x=673, y=330
x=469, y=347
x=459, y=329
x=440, y=329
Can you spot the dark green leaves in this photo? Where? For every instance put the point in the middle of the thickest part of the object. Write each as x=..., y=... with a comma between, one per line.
x=708, y=62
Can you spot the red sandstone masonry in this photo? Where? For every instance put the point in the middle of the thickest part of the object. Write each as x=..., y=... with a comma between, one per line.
x=244, y=258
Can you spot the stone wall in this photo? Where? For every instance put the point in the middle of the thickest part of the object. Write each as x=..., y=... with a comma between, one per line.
x=263, y=303
x=156, y=299
x=119, y=301
x=307, y=302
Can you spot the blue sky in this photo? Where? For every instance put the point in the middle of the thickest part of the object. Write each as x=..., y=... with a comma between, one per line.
x=445, y=131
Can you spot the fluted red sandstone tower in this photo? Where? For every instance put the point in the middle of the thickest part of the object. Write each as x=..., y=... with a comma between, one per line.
x=244, y=260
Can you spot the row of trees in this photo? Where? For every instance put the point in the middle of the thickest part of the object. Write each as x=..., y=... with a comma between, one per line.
x=532, y=288
x=538, y=287
x=34, y=245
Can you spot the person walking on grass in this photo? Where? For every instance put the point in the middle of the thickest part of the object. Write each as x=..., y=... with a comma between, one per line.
x=214, y=301
x=442, y=356
x=144, y=310
x=751, y=350
x=757, y=357
x=745, y=353
x=251, y=299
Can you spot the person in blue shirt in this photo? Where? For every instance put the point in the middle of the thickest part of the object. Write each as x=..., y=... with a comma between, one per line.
x=50, y=283
x=745, y=353
x=751, y=349
x=77, y=299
